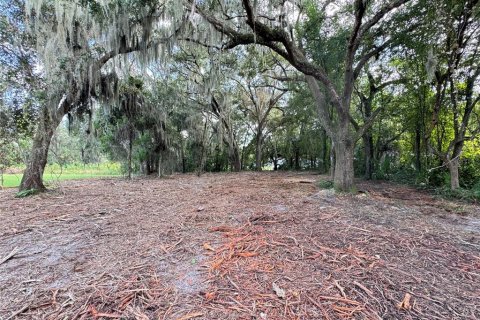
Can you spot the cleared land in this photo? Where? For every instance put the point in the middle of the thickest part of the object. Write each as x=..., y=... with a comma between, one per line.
x=237, y=246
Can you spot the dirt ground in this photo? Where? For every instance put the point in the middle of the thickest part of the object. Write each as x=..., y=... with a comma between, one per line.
x=237, y=246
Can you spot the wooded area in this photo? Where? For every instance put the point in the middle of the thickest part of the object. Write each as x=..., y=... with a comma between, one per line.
x=366, y=112
x=381, y=90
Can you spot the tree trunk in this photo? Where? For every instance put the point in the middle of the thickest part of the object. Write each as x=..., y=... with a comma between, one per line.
x=130, y=147
x=297, y=158
x=146, y=167
x=454, y=174
x=418, y=148
x=368, y=149
x=33, y=176
x=233, y=153
x=218, y=161
x=332, y=160
x=235, y=160
x=453, y=167
x=160, y=166
x=242, y=158
x=344, y=174
x=323, y=167
x=275, y=157
x=258, y=153
x=203, y=151
x=184, y=159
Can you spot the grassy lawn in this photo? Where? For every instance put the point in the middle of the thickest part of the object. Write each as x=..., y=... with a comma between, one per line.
x=55, y=173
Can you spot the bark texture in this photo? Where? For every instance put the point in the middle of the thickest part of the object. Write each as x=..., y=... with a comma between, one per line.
x=344, y=173
x=33, y=176
x=453, y=168
x=369, y=154
x=258, y=153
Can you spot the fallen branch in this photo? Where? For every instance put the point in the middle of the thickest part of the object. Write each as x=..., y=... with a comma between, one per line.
x=18, y=312
x=10, y=255
x=369, y=292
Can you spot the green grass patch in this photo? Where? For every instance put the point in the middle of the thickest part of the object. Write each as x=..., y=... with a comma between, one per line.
x=55, y=173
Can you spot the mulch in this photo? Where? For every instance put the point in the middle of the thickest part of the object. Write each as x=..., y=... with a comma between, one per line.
x=237, y=246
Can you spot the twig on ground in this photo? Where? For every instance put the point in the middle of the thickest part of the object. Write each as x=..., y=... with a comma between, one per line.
x=10, y=255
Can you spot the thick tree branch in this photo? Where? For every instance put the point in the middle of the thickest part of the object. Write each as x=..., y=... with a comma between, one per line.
x=365, y=58
x=379, y=15
x=322, y=107
x=368, y=123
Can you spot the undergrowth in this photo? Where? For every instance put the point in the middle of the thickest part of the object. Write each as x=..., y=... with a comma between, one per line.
x=325, y=184
x=26, y=193
x=472, y=195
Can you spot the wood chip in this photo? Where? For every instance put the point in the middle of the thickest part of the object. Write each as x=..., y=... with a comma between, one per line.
x=405, y=304
x=278, y=291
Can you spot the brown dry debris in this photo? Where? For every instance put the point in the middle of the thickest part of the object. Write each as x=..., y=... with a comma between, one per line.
x=237, y=246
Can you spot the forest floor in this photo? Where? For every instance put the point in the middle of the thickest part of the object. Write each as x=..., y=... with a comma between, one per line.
x=237, y=246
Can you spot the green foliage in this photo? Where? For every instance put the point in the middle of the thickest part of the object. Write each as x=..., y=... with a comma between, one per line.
x=325, y=184
x=438, y=180
x=326, y=49
x=470, y=195
x=26, y=193
x=163, y=118
x=470, y=172
x=300, y=141
x=404, y=175
x=71, y=144
x=15, y=136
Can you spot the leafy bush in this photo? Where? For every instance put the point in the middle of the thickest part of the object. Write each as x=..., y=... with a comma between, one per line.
x=476, y=190
x=472, y=195
x=325, y=184
x=470, y=172
x=403, y=175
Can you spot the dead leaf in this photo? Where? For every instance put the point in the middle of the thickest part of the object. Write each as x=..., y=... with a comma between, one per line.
x=405, y=304
x=216, y=264
x=207, y=246
x=210, y=296
x=94, y=311
x=278, y=291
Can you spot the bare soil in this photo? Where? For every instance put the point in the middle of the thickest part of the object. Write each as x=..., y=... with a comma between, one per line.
x=237, y=246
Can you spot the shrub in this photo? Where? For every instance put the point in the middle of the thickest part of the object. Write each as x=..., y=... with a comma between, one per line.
x=325, y=184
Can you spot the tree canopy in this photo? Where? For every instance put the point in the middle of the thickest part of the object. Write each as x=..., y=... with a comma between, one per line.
x=373, y=88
